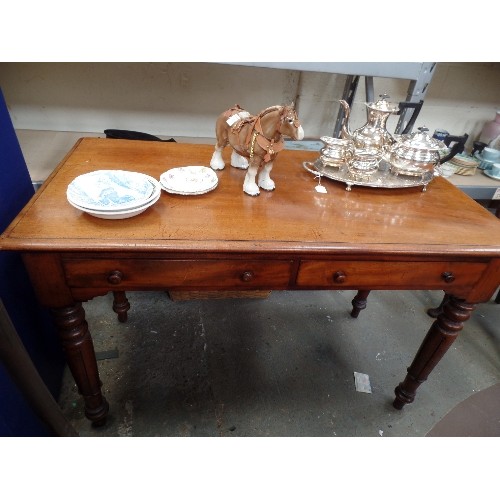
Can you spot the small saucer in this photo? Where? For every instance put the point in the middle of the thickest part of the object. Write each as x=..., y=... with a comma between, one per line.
x=491, y=176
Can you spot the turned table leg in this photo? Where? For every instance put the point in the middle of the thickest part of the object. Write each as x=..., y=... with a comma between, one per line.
x=80, y=355
x=441, y=335
x=435, y=312
x=121, y=305
x=359, y=302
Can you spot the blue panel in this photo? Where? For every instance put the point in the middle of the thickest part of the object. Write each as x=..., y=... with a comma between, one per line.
x=32, y=322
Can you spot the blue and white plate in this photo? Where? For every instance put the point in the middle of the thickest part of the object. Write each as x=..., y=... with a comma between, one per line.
x=125, y=213
x=110, y=190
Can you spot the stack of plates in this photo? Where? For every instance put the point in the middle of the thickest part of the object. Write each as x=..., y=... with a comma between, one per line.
x=190, y=180
x=466, y=165
x=113, y=194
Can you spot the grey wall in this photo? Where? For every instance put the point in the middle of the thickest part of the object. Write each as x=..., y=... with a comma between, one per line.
x=184, y=99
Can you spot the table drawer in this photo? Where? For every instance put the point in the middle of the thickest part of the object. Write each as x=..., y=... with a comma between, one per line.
x=376, y=274
x=130, y=273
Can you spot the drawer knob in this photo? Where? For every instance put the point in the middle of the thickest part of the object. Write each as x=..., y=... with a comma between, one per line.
x=339, y=277
x=247, y=276
x=448, y=277
x=115, y=277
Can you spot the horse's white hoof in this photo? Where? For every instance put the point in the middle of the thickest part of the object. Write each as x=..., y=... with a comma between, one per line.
x=252, y=190
x=241, y=167
x=268, y=185
x=216, y=165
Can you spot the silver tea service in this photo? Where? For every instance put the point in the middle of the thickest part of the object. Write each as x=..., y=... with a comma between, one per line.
x=371, y=156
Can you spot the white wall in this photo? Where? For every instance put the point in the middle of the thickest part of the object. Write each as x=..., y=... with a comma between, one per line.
x=184, y=99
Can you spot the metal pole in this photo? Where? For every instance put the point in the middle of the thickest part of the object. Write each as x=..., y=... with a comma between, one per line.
x=16, y=359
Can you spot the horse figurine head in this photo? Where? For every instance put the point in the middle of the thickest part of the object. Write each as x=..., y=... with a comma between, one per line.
x=255, y=141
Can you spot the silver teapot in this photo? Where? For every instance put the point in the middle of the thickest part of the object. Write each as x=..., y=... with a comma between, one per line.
x=373, y=135
x=415, y=154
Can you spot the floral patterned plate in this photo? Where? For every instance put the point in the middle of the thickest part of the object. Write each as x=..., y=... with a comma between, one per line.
x=189, y=180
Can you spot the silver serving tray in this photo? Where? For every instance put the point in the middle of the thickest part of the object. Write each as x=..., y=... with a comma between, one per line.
x=382, y=178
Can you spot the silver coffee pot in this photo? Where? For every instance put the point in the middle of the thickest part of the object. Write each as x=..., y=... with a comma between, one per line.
x=373, y=135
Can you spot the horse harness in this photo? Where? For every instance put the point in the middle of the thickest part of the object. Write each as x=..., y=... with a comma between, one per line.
x=255, y=133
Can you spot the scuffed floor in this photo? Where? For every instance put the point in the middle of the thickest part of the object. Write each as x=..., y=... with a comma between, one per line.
x=280, y=366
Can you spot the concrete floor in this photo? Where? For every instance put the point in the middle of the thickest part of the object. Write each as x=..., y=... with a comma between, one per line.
x=279, y=366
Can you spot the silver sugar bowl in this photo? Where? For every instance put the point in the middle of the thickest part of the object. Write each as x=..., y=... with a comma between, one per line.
x=363, y=164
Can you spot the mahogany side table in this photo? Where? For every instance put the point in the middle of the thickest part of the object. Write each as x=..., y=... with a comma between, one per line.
x=293, y=238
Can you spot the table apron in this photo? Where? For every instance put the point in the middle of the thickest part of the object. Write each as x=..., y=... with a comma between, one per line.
x=268, y=273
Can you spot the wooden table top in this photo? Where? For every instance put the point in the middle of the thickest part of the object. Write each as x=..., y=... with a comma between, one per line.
x=293, y=218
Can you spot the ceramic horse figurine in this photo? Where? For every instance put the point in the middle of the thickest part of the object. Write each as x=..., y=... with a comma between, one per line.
x=256, y=141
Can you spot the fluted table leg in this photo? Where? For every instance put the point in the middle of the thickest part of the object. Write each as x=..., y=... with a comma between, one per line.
x=438, y=340
x=80, y=355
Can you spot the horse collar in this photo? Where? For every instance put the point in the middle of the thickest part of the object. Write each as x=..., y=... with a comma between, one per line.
x=268, y=145
x=258, y=128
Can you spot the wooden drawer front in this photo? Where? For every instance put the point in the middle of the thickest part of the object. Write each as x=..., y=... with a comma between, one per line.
x=370, y=274
x=129, y=273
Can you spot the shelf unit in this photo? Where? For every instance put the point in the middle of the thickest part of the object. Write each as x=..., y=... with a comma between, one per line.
x=419, y=73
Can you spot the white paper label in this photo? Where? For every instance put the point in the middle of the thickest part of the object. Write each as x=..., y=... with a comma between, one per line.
x=496, y=196
x=236, y=117
x=320, y=189
x=232, y=120
x=362, y=382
